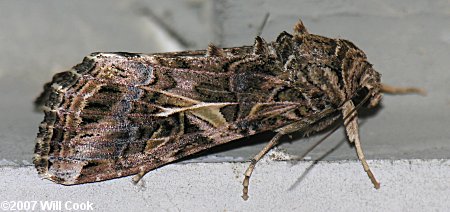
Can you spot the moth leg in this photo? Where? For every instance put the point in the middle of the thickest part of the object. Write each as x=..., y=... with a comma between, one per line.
x=401, y=90
x=351, y=128
x=139, y=176
x=251, y=167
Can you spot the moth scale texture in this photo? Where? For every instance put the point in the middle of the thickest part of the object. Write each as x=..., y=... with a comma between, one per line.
x=120, y=114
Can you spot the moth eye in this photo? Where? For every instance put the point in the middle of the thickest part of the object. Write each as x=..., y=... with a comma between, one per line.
x=360, y=96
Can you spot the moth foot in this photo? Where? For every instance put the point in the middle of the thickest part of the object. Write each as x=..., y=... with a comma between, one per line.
x=138, y=177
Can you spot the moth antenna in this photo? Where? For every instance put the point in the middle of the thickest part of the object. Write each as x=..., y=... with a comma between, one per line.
x=299, y=28
x=263, y=24
x=260, y=46
x=214, y=51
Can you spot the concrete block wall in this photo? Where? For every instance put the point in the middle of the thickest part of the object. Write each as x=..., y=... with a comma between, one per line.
x=407, y=139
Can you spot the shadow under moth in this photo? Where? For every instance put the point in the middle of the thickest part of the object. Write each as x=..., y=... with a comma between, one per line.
x=120, y=114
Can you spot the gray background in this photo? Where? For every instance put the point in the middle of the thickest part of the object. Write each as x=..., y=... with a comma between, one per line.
x=407, y=41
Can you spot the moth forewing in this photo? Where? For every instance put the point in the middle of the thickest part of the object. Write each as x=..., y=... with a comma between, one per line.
x=120, y=114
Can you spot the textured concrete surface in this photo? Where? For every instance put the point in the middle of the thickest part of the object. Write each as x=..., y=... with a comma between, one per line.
x=413, y=185
x=407, y=41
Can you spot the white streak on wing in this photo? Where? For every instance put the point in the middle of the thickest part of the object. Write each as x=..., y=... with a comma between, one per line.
x=171, y=111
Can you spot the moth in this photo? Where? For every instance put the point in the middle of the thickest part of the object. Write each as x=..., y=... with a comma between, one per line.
x=120, y=114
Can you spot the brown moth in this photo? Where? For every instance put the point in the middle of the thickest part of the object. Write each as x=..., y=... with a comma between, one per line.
x=120, y=114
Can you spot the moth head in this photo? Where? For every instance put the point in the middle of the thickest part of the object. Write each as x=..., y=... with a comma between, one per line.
x=370, y=84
